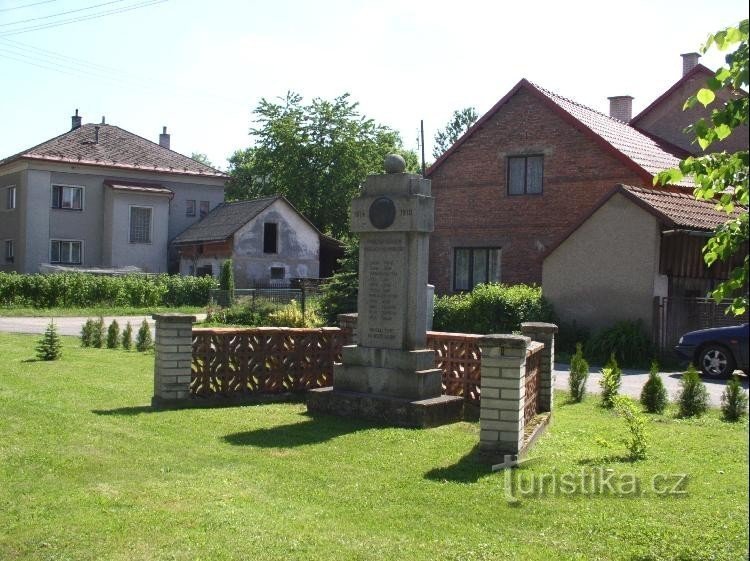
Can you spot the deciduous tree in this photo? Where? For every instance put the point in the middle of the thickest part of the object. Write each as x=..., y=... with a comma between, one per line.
x=460, y=122
x=721, y=176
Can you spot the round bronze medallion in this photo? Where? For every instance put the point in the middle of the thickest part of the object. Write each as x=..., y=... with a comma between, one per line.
x=382, y=212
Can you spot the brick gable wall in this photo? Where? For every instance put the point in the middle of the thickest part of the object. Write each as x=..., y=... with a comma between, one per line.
x=474, y=210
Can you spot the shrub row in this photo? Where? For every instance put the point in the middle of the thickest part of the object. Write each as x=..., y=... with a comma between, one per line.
x=83, y=290
x=491, y=308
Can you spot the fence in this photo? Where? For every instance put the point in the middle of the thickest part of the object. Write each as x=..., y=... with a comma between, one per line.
x=673, y=317
x=532, y=382
x=263, y=360
x=459, y=357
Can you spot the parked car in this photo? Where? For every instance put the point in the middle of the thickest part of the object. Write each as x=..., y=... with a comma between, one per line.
x=718, y=351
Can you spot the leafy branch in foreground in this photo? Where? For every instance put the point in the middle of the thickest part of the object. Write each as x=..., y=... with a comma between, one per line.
x=722, y=176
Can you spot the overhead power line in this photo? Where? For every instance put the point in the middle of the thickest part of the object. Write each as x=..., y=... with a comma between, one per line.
x=26, y=5
x=61, y=13
x=79, y=19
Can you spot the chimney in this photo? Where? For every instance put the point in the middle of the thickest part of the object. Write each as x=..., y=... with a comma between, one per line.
x=96, y=134
x=621, y=107
x=164, y=139
x=103, y=123
x=76, y=121
x=690, y=61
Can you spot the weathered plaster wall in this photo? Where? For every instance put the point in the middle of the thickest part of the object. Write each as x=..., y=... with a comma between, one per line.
x=607, y=270
x=298, y=247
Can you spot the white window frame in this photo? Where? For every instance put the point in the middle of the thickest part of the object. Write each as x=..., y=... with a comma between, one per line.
x=10, y=256
x=188, y=207
x=11, y=194
x=150, y=224
x=71, y=250
x=65, y=186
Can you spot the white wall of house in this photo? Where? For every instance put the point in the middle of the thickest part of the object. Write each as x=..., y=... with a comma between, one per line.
x=298, y=248
x=34, y=223
x=608, y=269
x=120, y=251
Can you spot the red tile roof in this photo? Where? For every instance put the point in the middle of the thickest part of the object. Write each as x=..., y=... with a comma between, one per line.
x=647, y=155
x=115, y=148
x=680, y=210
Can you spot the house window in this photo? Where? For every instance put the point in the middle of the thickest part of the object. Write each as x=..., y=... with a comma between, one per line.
x=270, y=237
x=204, y=208
x=67, y=197
x=10, y=251
x=10, y=198
x=190, y=207
x=66, y=251
x=475, y=265
x=525, y=175
x=140, y=224
x=277, y=273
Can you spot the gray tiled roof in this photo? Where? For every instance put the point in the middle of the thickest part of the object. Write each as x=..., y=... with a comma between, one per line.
x=224, y=220
x=116, y=148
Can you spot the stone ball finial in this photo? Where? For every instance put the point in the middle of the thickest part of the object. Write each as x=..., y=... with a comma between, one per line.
x=394, y=164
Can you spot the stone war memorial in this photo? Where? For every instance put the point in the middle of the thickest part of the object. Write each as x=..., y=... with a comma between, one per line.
x=390, y=374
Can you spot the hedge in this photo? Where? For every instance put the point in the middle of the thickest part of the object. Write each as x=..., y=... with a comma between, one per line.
x=491, y=308
x=64, y=290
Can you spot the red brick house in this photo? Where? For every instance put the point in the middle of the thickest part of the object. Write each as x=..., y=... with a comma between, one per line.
x=532, y=167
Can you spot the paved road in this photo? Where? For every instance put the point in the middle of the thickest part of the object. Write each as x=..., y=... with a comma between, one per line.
x=633, y=380
x=68, y=325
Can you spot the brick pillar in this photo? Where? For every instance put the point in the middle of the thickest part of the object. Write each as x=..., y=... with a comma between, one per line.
x=503, y=394
x=173, y=356
x=544, y=333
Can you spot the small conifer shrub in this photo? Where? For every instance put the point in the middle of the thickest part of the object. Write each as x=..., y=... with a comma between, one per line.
x=87, y=332
x=693, y=397
x=127, y=337
x=143, y=341
x=610, y=382
x=579, y=373
x=50, y=345
x=97, y=333
x=637, y=444
x=113, y=335
x=654, y=395
x=226, y=283
x=734, y=400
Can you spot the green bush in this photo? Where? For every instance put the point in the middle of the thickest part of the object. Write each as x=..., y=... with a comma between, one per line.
x=143, y=340
x=628, y=341
x=87, y=333
x=127, y=337
x=654, y=395
x=291, y=316
x=491, y=308
x=734, y=400
x=339, y=294
x=610, y=382
x=113, y=335
x=693, y=397
x=50, y=345
x=637, y=444
x=64, y=290
x=97, y=333
x=568, y=335
x=579, y=373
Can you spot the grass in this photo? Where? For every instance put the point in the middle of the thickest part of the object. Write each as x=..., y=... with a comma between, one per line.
x=89, y=472
x=11, y=311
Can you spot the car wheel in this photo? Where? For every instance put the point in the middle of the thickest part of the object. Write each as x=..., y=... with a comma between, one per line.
x=716, y=361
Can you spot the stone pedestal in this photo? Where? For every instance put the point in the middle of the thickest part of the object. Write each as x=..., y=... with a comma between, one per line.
x=389, y=375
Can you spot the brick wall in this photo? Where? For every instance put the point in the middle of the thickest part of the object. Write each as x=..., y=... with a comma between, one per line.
x=472, y=205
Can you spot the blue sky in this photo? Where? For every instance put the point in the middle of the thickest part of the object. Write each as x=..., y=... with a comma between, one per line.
x=200, y=67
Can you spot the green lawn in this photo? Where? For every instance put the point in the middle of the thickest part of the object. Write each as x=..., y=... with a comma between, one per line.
x=89, y=472
x=11, y=311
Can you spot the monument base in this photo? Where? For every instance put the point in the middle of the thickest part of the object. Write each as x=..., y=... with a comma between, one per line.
x=389, y=410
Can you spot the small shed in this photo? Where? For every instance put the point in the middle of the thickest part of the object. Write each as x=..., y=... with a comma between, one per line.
x=268, y=240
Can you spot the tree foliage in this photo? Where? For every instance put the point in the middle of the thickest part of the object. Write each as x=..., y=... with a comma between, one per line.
x=315, y=154
x=201, y=158
x=721, y=176
x=460, y=122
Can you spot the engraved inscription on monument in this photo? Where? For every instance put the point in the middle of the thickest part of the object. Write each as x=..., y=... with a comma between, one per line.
x=383, y=291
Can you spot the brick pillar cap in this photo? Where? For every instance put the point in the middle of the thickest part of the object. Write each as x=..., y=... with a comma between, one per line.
x=538, y=327
x=505, y=340
x=174, y=318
